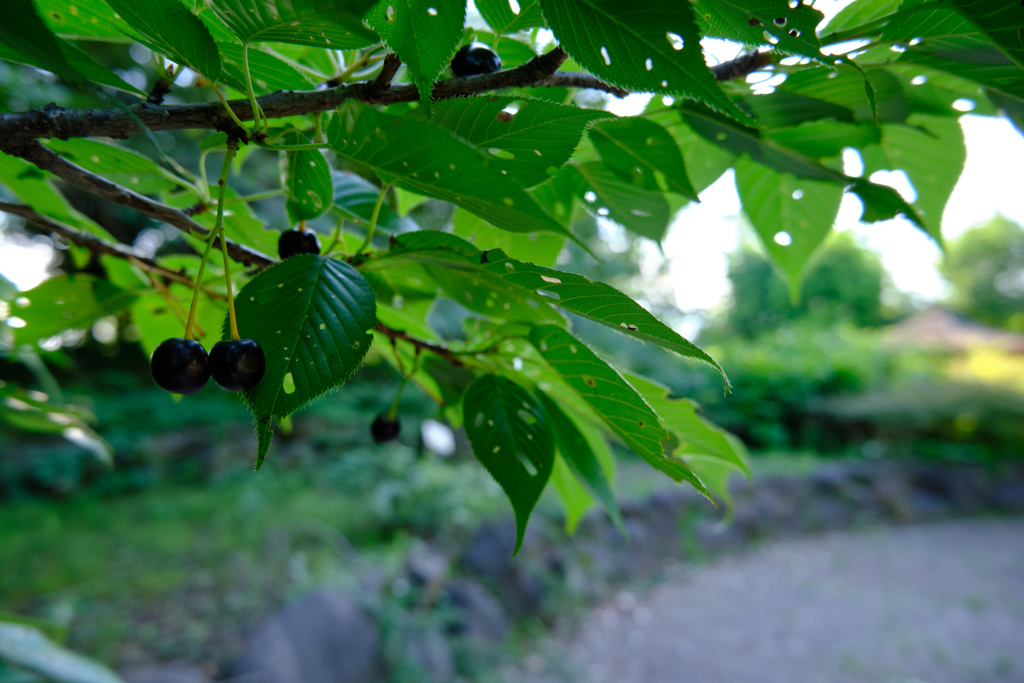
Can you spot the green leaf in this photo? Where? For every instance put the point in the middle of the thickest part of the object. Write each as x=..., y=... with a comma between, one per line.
x=355, y=197
x=83, y=20
x=782, y=109
x=581, y=461
x=26, y=647
x=511, y=437
x=170, y=29
x=82, y=63
x=499, y=15
x=1002, y=22
x=640, y=211
x=267, y=71
x=530, y=146
x=859, y=12
x=881, y=202
x=309, y=190
x=429, y=160
x=157, y=322
x=764, y=22
x=644, y=153
x=424, y=33
x=611, y=397
x=844, y=85
x=122, y=166
x=333, y=24
x=932, y=153
x=67, y=302
x=783, y=207
x=697, y=436
x=540, y=248
x=655, y=50
x=312, y=316
x=22, y=29
x=821, y=139
x=576, y=500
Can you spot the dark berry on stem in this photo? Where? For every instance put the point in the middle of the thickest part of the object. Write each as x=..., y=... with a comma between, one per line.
x=475, y=59
x=295, y=242
x=384, y=430
x=237, y=364
x=180, y=366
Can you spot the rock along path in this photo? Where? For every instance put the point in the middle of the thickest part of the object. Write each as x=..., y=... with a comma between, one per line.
x=942, y=603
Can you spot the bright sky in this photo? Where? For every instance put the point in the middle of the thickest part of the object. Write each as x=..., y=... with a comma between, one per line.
x=703, y=234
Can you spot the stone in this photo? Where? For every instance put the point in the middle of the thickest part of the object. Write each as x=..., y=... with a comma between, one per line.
x=429, y=652
x=323, y=638
x=165, y=674
x=479, y=615
x=426, y=566
x=489, y=556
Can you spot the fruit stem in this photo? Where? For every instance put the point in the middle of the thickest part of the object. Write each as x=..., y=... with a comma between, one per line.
x=253, y=104
x=318, y=136
x=291, y=148
x=254, y=197
x=373, y=220
x=337, y=236
x=406, y=377
x=223, y=101
x=199, y=283
x=219, y=229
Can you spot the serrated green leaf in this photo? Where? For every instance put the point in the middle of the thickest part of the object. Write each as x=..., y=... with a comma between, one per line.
x=170, y=29
x=640, y=211
x=309, y=190
x=22, y=29
x=67, y=302
x=932, y=153
x=26, y=647
x=33, y=187
x=581, y=461
x=782, y=109
x=499, y=15
x=312, y=316
x=859, y=12
x=424, y=33
x=705, y=161
x=697, y=436
x=881, y=202
x=820, y=139
x=122, y=166
x=427, y=159
x=781, y=206
x=329, y=24
x=355, y=197
x=511, y=437
x=576, y=500
x=764, y=22
x=267, y=71
x=84, y=20
x=1002, y=21
x=83, y=64
x=540, y=248
x=530, y=146
x=844, y=85
x=643, y=153
x=654, y=50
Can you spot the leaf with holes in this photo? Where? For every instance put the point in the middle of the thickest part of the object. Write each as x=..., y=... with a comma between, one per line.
x=640, y=211
x=793, y=216
x=424, y=33
x=267, y=71
x=309, y=190
x=932, y=153
x=167, y=27
x=319, y=23
x=23, y=30
x=644, y=153
x=355, y=197
x=526, y=139
x=84, y=20
x=580, y=459
x=778, y=23
x=312, y=316
x=123, y=166
x=649, y=47
x=499, y=15
x=697, y=436
x=511, y=437
x=611, y=397
x=66, y=302
x=429, y=160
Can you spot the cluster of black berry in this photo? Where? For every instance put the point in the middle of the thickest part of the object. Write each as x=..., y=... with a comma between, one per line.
x=475, y=59
x=182, y=366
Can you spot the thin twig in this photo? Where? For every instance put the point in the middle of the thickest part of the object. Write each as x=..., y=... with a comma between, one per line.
x=56, y=122
x=48, y=160
x=446, y=353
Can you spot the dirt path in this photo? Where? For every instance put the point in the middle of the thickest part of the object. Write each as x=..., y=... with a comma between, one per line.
x=928, y=604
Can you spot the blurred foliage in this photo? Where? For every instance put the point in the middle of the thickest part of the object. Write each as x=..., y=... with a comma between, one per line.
x=985, y=269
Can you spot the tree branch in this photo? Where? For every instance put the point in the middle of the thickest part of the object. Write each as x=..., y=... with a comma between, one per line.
x=420, y=345
x=56, y=122
x=48, y=160
x=98, y=245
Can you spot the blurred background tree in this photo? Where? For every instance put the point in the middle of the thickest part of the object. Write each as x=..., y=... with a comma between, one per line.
x=985, y=271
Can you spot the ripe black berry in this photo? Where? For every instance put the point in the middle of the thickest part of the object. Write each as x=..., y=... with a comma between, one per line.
x=180, y=366
x=237, y=364
x=295, y=242
x=475, y=59
x=384, y=430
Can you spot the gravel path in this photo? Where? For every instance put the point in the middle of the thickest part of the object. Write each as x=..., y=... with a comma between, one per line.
x=928, y=604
